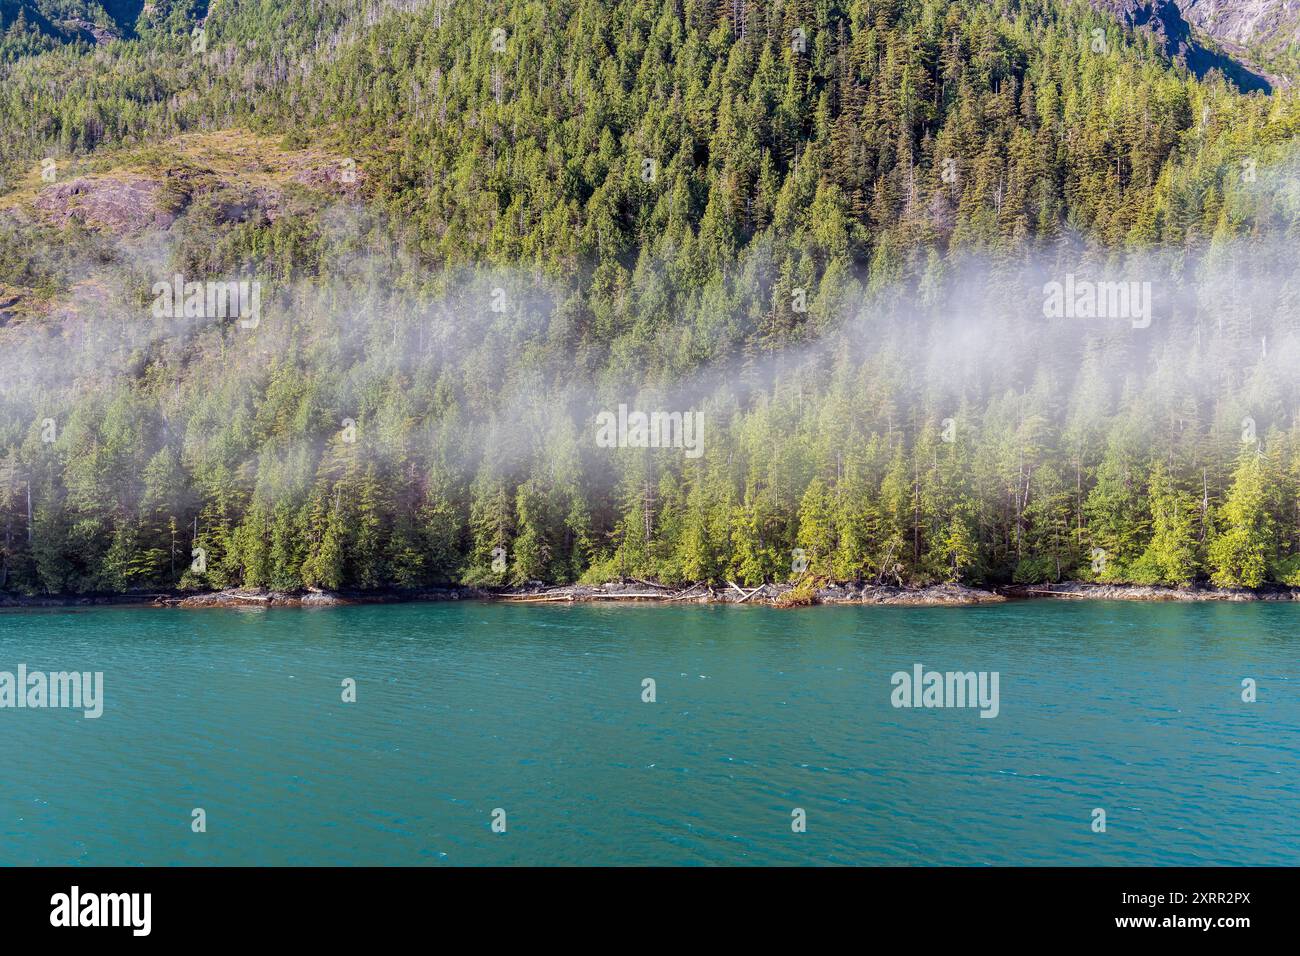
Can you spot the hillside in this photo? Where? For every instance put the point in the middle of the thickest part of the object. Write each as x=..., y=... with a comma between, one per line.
x=1201, y=51
x=827, y=229
x=1266, y=31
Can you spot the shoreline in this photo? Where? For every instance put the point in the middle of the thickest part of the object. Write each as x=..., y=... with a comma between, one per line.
x=782, y=595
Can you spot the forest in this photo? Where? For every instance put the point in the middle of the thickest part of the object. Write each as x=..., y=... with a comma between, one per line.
x=824, y=227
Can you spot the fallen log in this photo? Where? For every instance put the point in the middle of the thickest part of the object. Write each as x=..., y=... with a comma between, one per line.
x=650, y=584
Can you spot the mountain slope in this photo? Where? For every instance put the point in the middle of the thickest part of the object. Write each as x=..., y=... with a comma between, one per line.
x=43, y=23
x=1266, y=23
x=1164, y=20
x=1260, y=31
x=826, y=228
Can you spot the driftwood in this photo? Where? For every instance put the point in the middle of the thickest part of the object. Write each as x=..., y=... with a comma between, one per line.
x=743, y=596
x=594, y=595
x=682, y=595
x=650, y=584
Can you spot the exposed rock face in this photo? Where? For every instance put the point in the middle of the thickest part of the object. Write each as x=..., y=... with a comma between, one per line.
x=1269, y=23
x=1161, y=18
x=1164, y=20
x=344, y=176
x=120, y=205
x=99, y=34
x=230, y=175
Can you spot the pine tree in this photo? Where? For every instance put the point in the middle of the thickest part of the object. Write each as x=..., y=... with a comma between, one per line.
x=1240, y=555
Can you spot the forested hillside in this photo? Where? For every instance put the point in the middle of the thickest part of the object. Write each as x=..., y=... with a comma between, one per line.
x=829, y=228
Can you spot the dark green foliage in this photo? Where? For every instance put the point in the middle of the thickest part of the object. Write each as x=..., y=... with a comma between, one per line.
x=681, y=212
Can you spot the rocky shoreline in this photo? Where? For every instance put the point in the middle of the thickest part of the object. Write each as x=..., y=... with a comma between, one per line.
x=1141, y=592
x=640, y=592
x=769, y=594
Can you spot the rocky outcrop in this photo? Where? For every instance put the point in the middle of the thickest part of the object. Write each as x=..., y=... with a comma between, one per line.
x=228, y=176
x=1272, y=24
x=767, y=594
x=936, y=595
x=933, y=596
x=120, y=205
x=1164, y=20
x=1160, y=18
x=92, y=31
x=312, y=597
x=1139, y=592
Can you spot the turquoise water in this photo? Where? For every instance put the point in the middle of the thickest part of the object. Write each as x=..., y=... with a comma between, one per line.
x=463, y=708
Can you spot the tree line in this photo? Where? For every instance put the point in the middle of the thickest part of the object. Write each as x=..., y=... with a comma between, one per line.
x=686, y=205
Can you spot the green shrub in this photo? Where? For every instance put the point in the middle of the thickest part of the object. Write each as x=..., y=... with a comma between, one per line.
x=1035, y=570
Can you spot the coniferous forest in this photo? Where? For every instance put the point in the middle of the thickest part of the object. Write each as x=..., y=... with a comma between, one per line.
x=828, y=227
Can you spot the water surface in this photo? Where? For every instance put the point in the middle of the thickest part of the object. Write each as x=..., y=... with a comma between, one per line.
x=463, y=708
